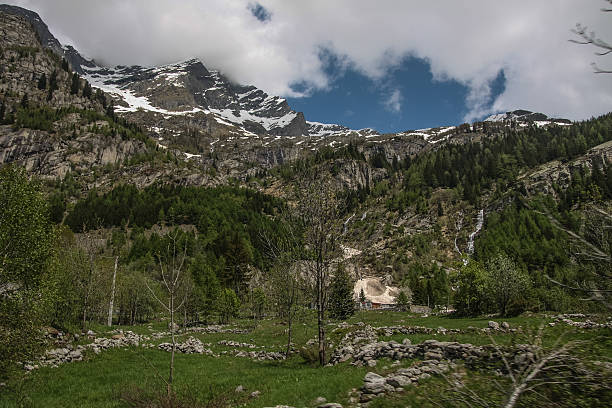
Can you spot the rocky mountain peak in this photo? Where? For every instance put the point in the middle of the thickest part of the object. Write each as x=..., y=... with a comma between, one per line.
x=48, y=40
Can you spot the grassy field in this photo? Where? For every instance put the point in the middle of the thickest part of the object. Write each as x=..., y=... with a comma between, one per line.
x=100, y=380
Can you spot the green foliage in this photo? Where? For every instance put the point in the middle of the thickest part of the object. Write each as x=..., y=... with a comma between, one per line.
x=42, y=118
x=494, y=162
x=429, y=285
x=341, y=303
x=402, y=301
x=207, y=285
x=258, y=302
x=87, y=91
x=527, y=237
x=42, y=82
x=228, y=305
x=65, y=65
x=26, y=250
x=471, y=297
x=362, y=296
x=26, y=235
x=230, y=222
x=75, y=86
x=53, y=85
x=507, y=285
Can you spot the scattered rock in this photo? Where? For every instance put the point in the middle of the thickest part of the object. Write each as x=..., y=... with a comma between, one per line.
x=190, y=346
x=493, y=325
x=231, y=343
x=239, y=389
x=255, y=394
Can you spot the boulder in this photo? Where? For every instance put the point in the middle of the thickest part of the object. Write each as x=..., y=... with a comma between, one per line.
x=493, y=325
x=373, y=383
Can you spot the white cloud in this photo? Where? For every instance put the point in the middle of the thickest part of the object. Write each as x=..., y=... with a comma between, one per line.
x=393, y=102
x=469, y=41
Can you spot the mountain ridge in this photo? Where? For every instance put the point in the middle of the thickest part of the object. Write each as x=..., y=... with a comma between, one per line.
x=244, y=107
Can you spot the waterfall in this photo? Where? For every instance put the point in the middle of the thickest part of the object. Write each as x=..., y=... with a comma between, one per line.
x=479, y=222
x=346, y=222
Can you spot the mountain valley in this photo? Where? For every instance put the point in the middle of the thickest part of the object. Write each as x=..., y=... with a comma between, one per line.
x=142, y=169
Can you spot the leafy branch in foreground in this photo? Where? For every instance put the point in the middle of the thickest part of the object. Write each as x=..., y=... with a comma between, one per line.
x=536, y=371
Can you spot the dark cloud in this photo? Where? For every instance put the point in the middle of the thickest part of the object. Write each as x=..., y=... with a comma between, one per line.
x=259, y=12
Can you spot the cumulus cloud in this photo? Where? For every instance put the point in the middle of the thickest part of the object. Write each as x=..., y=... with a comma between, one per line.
x=276, y=44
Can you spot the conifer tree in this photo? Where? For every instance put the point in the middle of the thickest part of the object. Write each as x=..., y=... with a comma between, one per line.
x=362, y=297
x=341, y=303
x=42, y=82
x=87, y=90
x=75, y=86
x=402, y=301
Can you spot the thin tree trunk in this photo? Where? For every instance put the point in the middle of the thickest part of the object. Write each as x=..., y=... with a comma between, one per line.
x=173, y=344
x=515, y=395
x=289, y=321
x=112, y=299
x=320, y=316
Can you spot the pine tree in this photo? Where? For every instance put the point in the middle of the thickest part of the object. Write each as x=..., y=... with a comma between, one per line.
x=228, y=305
x=402, y=301
x=87, y=90
x=52, y=85
x=341, y=304
x=24, y=101
x=362, y=297
x=42, y=82
x=75, y=86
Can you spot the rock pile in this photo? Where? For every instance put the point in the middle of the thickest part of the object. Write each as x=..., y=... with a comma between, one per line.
x=55, y=357
x=375, y=384
x=352, y=341
x=258, y=355
x=231, y=343
x=587, y=324
x=218, y=329
x=120, y=339
x=190, y=346
x=430, y=350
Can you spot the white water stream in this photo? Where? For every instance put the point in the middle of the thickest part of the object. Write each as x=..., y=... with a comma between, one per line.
x=479, y=222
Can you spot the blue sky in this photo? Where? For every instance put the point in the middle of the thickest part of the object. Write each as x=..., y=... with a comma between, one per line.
x=407, y=98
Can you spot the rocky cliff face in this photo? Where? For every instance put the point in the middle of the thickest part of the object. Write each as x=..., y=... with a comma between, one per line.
x=57, y=127
x=543, y=179
x=47, y=39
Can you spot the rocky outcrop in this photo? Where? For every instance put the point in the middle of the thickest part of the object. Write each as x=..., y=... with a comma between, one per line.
x=52, y=155
x=555, y=173
x=47, y=39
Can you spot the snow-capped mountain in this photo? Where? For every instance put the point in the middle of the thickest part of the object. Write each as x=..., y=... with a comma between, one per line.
x=526, y=116
x=201, y=113
x=188, y=87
